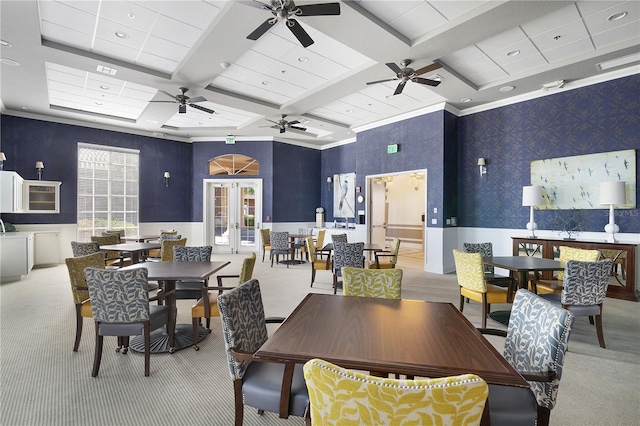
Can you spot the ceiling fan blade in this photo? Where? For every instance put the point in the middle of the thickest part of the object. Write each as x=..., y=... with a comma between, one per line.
x=382, y=81
x=299, y=32
x=399, y=88
x=294, y=122
x=272, y=121
x=319, y=9
x=164, y=102
x=196, y=99
x=394, y=67
x=262, y=29
x=428, y=68
x=425, y=81
x=298, y=128
x=201, y=108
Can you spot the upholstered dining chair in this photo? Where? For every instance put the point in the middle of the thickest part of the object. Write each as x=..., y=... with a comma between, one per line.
x=265, y=234
x=535, y=345
x=280, y=245
x=185, y=290
x=486, y=249
x=315, y=261
x=566, y=254
x=207, y=305
x=383, y=283
x=120, y=307
x=339, y=238
x=119, y=232
x=346, y=254
x=154, y=254
x=473, y=285
x=341, y=396
x=79, y=248
x=300, y=243
x=255, y=383
x=79, y=289
x=167, y=245
x=387, y=259
x=584, y=291
x=112, y=257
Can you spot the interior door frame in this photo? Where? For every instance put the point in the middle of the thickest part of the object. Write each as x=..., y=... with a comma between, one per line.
x=207, y=185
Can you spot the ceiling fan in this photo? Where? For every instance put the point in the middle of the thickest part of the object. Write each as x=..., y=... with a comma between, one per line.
x=405, y=74
x=183, y=100
x=286, y=10
x=283, y=125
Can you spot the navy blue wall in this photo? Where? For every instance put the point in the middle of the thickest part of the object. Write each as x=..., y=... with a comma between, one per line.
x=598, y=118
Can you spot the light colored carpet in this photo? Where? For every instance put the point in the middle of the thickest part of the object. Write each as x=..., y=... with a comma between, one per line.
x=43, y=382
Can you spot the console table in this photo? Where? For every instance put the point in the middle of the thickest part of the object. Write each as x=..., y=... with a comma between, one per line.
x=624, y=281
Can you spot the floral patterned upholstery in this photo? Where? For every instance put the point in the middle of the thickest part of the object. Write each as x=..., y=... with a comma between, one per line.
x=280, y=245
x=84, y=249
x=486, y=249
x=572, y=253
x=112, y=257
x=316, y=263
x=346, y=254
x=192, y=254
x=339, y=238
x=170, y=237
x=382, y=283
x=166, y=248
x=341, y=396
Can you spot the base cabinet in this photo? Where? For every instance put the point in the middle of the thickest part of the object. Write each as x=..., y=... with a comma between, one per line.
x=16, y=255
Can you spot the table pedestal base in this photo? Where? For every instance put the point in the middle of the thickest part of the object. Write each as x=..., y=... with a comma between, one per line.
x=501, y=316
x=160, y=339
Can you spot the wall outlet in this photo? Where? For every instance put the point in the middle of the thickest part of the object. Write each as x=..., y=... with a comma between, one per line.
x=448, y=221
x=454, y=221
x=434, y=221
x=435, y=210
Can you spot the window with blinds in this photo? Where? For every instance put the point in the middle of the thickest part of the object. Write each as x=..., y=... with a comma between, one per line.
x=107, y=190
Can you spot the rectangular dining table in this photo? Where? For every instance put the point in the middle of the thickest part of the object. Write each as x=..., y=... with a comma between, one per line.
x=140, y=238
x=412, y=337
x=523, y=266
x=134, y=249
x=168, y=273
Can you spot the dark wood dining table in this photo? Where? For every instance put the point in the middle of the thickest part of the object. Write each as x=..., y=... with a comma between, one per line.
x=412, y=337
x=134, y=249
x=523, y=266
x=168, y=273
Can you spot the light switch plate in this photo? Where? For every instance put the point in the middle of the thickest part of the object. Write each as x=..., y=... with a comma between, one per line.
x=434, y=221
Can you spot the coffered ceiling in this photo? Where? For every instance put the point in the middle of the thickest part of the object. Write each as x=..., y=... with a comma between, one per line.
x=119, y=64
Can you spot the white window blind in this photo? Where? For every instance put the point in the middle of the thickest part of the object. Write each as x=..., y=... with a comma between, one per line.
x=107, y=190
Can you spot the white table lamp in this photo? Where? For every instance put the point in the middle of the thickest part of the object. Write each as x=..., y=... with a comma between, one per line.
x=612, y=193
x=531, y=196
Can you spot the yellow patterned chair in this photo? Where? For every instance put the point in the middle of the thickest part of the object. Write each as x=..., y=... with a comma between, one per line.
x=111, y=257
x=566, y=254
x=166, y=248
x=387, y=259
x=346, y=397
x=382, y=283
x=266, y=241
x=315, y=261
x=473, y=285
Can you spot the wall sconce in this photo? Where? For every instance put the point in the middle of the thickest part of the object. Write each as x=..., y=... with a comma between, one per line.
x=329, y=182
x=167, y=175
x=39, y=167
x=612, y=193
x=483, y=166
x=3, y=158
x=531, y=196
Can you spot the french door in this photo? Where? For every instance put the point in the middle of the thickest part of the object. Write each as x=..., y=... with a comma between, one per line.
x=232, y=211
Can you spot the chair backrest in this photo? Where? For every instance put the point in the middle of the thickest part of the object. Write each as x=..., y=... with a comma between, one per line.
x=279, y=241
x=109, y=239
x=395, y=249
x=166, y=248
x=585, y=283
x=339, y=238
x=320, y=239
x=192, y=254
x=486, y=249
x=243, y=323
x=170, y=237
x=246, y=272
x=75, y=267
x=536, y=342
x=347, y=254
x=469, y=271
x=119, y=232
x=118, y=295
x=266, y=238
x=572, y=253
x=356, y=398
x=168, y=232
x=382, y=283
x=311, y=248
x=84, y=249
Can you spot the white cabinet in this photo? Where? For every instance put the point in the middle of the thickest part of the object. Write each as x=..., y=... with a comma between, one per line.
x=41, y=196
x=47, y=247
x=10, y=192
x=16, y=255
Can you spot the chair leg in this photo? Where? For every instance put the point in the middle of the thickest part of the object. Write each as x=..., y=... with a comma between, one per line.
x=313, y=275
x=147, y=347
x=263, y=251
x=79, y=321
x=599, y=330
x=97, y=356
x=271, y=256
x=591, y=319
x=237, y=388
x=543, y=416
x=335, y=284
x=461, y=303
x=196, y=325
x=485, y=306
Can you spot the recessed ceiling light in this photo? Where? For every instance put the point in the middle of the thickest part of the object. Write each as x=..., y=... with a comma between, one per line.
x=11, y=62
x=225, y=65
x=303, y=59
x=465, y=100
x=513, y=52
x=26, y=108
x=349, y=111
x=131, y=15
x=506, y=88
x=121, y=34
x=266, y=83
x=106, y=70
x=5, y=43
x=98, y=103
x=617, y=16
x=103, y=87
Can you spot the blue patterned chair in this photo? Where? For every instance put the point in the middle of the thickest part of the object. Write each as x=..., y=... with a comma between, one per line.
x=535, y=345
x=207, y=306
x=486, y=249
x=346, y=254
x=84, y=249
x=255, y=383
x=383, y=283
x=300, y=243
x=186, y=290
x=120, y=307
x=280, y=245
x=584, y=290
x=339, y=238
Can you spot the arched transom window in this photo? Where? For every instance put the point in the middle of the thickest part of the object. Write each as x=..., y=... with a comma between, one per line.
x=233, y=164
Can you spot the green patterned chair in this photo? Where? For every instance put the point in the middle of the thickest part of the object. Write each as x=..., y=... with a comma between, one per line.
x=167, y=245
x=387, y=259
x=315, y=261
x=382, y=283
x=207, y=306
x=566, y=254
x=346, y=397
x=473, y=285
x=265, y=234
x=79, y=289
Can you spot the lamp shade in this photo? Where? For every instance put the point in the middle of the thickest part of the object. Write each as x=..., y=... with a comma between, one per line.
x=613, y=193
x=2, y=156
x=481, y=162
x=39, y=165
x=167, y=174
x=531, y=195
